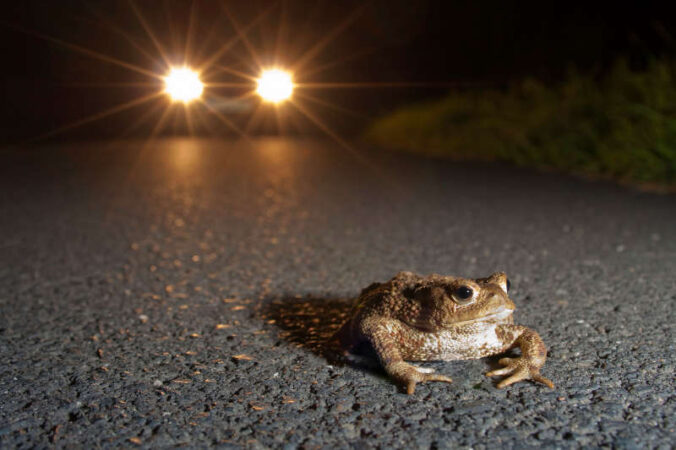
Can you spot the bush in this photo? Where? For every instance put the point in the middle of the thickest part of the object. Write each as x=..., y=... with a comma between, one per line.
x=622, y=126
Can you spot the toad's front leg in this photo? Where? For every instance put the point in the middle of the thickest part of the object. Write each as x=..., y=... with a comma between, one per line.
x=388, y=338
x=533, y=356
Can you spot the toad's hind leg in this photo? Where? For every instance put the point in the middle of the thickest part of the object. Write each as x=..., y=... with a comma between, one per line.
x=385, y=335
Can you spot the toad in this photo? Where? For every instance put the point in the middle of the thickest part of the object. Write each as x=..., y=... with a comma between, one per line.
x=435, y=317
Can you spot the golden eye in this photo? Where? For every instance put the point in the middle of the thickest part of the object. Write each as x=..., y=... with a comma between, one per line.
x=463, y=295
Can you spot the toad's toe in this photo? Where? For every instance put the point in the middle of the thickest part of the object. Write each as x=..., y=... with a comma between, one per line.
x=519, y=370
x=409, y=375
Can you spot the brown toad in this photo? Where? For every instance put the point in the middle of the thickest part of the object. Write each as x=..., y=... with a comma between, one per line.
x=416, y=318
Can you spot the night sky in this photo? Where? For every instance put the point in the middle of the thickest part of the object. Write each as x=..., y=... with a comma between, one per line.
x=461, y=44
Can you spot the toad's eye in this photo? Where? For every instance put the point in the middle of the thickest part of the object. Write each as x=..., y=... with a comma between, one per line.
x=509, y=285
x=463, y=294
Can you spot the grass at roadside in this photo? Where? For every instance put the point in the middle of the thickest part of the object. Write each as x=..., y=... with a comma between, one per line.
x=622, y=126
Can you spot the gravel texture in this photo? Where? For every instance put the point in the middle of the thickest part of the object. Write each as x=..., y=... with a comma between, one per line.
x=180, y=293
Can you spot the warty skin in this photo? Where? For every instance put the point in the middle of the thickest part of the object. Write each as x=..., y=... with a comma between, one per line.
x=430, y=318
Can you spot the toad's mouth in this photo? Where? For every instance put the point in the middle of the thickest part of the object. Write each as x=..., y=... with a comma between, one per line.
x=498, y=315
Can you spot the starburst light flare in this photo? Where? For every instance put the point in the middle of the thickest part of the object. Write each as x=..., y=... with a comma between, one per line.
x=183, y=85
x=275, y=85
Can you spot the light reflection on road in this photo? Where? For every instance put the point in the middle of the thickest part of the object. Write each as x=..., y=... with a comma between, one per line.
x=185, y=156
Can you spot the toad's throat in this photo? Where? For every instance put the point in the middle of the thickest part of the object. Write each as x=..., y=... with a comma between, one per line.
x=500, y=315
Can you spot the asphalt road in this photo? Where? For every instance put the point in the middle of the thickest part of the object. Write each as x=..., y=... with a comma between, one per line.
x=179, y=294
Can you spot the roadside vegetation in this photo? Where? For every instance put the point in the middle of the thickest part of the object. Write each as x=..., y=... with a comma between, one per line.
x=620, y=126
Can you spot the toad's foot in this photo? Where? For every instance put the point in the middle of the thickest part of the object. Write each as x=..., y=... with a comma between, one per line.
x=408, y=375
x=519, y=370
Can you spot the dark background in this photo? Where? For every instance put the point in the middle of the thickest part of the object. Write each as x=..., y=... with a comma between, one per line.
x=119, y=259
x=460, y=44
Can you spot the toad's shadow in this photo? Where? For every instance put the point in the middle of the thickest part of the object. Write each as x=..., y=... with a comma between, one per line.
x=310, y=323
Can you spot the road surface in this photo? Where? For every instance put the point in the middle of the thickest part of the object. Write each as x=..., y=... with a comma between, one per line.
x=179, y=293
